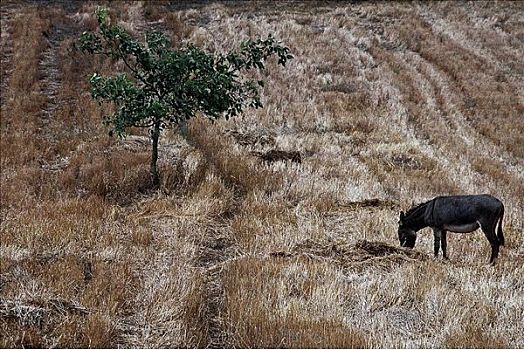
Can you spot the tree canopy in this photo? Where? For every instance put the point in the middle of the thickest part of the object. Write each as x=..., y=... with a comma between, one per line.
x=168, y=85
x=163, y=86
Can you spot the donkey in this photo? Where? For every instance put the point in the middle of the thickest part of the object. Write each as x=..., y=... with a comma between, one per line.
x=462, y=214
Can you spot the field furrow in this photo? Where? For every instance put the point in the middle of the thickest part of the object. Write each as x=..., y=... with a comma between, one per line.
x=6, y=47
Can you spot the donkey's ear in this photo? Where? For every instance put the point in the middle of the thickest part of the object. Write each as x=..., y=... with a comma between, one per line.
x=402, y=216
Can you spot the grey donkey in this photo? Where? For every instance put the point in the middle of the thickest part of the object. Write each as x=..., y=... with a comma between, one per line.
x=462, y=214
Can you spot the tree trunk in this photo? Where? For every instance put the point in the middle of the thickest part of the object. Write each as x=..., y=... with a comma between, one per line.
x=184, y=131
x=155, y=134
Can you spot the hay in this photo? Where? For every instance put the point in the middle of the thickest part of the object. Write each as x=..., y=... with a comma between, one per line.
x=260, y=138
x=35, y=312
x=373, y=202
x=362, y=254
x=275, y=155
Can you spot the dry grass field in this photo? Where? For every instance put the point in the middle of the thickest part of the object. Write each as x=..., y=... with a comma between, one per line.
x=279, y=228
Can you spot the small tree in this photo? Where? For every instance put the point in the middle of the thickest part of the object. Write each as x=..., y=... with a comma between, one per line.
x=165, y=87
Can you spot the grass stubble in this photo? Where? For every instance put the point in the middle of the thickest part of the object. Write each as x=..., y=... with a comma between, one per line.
x=387, y=105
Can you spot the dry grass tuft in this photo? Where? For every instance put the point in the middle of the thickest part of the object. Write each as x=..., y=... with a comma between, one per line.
x=194, y=317
x=269, y=316
x=119, y=175
x=251, y=138
x=474, y=338
x=237, y=170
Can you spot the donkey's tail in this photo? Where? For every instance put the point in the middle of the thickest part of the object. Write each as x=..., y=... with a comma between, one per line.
x=500, y=235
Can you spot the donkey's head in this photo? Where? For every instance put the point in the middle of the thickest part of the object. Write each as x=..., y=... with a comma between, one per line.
x=406, y=235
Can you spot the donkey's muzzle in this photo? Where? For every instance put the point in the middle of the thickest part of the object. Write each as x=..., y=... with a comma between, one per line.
x=408, y=242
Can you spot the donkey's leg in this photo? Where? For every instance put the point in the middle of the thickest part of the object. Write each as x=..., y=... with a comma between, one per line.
x=436, y=243
x=494, y=251
x=489, y=231
x=444, y=243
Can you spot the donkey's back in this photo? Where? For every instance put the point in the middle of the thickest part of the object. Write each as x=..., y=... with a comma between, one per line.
x=481, y=209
